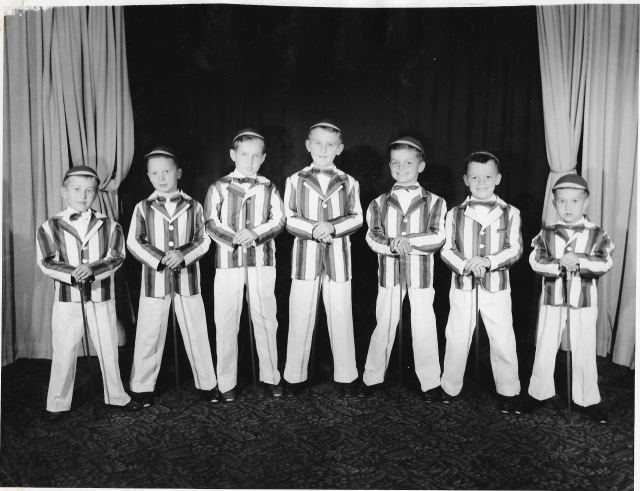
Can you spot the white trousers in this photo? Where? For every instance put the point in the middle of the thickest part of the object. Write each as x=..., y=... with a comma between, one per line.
x=228, y=292
x=584, y=380
x=151, y=333
x=302, y=314
x=495, y=309
x=67, y=333
x=423, y=333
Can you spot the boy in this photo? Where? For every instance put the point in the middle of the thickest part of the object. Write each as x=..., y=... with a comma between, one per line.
x=80, y=248
x=406, y=226
x=167, y=236
x=244, y=213
x=322, y=206
x=483, y=241
x=577, y=247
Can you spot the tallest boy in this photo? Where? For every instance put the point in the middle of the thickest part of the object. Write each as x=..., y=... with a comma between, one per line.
x=322, y=206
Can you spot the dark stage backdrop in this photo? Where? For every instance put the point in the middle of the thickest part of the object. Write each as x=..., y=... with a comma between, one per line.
x=459, y=79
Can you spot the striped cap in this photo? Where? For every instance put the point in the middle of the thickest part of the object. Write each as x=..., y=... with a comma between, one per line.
x=162, y=151
x=571, y=181
x=408, y=140
x=326, y=122
x=81, y=170
x=248, y=132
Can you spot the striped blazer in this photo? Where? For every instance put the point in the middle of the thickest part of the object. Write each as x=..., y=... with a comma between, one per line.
x=60, y=249
x=228, y=209
x=153, y=233
x=497, y=238
x=422, y=225
x=593, y=247
x=305, y=206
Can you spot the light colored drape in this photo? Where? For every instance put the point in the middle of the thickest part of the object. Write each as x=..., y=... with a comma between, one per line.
x=589, y=65
x=66, y=102
x=561, y=31
x=609, y=164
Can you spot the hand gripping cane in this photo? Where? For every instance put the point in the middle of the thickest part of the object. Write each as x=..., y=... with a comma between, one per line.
x=85, y=345
x=567, y=278
x=175, y=334
x=251, y=337
x=476, y=285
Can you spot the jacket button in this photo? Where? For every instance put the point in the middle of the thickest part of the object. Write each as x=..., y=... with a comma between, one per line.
x=171, y=227
x=405, y=220
x=482, y=246
x=85, y=261
x=482, y=233
x=324, y=205
x=569, y=248
x=403, y=233
x=248, y=222
x=170, y=243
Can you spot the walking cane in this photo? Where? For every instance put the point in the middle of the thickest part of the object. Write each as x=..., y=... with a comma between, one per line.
x=82, y=285
x=175, y=334
x=251, y=338
x=400, y=327
x=476, y=282
x=567, y=278
x=313, y=335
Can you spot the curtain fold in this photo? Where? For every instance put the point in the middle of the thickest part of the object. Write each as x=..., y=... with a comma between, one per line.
x=561, y=32
x=67, y=102
x=609, y=163
x=589, y=63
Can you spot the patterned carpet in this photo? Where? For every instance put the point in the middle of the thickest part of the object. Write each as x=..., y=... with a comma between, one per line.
x=392, y=440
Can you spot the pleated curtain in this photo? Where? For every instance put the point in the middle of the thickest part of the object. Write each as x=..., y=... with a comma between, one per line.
x=66, y=102
x=589, y=65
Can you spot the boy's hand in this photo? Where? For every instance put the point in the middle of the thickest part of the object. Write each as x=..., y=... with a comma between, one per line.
x=478, y=265
x=570, y=261
x=400, y=245
x=82, y=273
x=322, y=232
x=245, y=237
x=173, y=260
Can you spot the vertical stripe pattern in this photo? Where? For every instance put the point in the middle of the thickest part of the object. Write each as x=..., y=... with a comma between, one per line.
x=306, y=205
x=60, y=250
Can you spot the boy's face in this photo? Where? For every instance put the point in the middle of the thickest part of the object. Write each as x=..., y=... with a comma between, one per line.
x=163, y=173
x=80, y=192
x=482, y=179
x=249, y=156
x=405, y=166
x=570, y=204
x=323, y=146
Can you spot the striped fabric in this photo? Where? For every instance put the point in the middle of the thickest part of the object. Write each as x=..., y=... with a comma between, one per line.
x=497, y=237
x=593, y=247
x=305, y=206
x=422, y=225
x=228, y=208
x=60, y=249
x=153, y=233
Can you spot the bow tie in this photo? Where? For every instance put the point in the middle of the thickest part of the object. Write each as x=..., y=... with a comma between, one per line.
x=176, y=198
x=246, y=180
x=574, y=228
x=74, y=216
x=489, y=204
x=397, y=187
x=326, y=172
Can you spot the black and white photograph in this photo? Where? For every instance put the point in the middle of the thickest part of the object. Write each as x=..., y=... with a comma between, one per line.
x=357, y=244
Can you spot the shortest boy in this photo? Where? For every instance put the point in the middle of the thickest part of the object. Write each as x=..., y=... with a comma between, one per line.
x=167, y=236
x=406, y=226
x=81, y=249
x=578, y=249
x=483, y=241
x=244, y=213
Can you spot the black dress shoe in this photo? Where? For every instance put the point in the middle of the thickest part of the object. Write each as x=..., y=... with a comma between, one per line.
x=144, y=398
x=446, y=398
x=292, y=390
x=366, y=390
x=529, y=405
x=275, y=390
x=211, y=395
x=229, y=396
x=54, y=417
x=510, y=404
x=349, y=389
x=131, y=406
x=432, y=395
x=597, y=415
